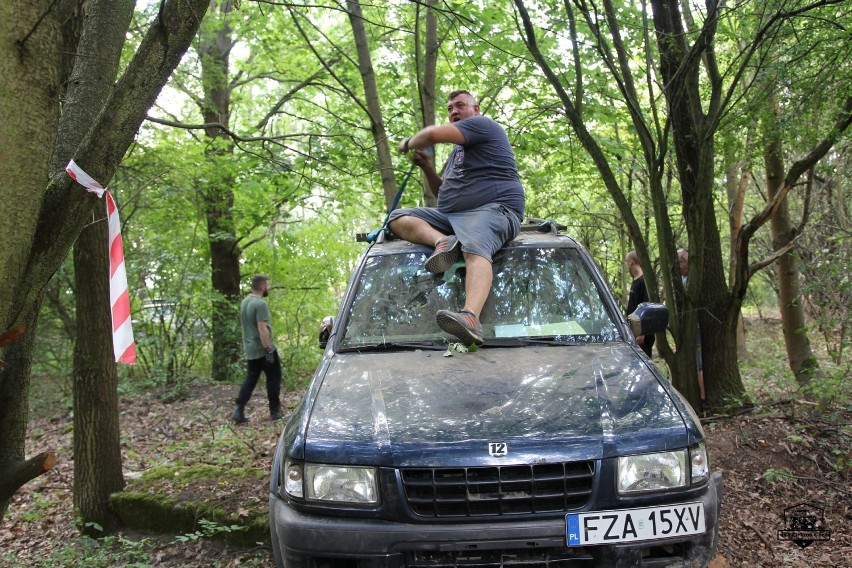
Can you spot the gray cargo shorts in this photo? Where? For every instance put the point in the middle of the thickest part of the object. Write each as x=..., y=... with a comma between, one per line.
x=481, y=231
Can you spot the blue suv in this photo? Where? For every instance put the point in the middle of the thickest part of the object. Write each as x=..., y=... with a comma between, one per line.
x=556, y=443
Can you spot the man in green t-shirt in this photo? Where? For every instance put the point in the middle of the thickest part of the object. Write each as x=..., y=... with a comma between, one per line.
x=260, y=351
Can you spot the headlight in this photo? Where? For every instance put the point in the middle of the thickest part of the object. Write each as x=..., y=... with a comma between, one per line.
x=699, y=464
x=652, y=472
x=347, y=484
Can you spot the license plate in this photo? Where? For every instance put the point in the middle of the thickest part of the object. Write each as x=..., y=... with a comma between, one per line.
x=633, y=525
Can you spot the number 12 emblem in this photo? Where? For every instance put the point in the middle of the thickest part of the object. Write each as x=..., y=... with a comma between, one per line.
x=498, y=449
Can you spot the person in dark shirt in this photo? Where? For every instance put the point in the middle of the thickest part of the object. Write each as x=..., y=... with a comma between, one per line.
x=480, y=206
x=638, y=294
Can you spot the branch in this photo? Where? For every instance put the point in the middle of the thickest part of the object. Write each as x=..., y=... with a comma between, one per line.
x=763, y=34
x=743, y=273
x=17, y=473
x=327, y=64
x=800, y=167
x=760, y=265
x=289, y=94
x=224, y=129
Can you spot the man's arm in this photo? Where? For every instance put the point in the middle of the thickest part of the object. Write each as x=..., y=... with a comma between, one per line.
x=441, y=133
x=263, y=330
x=446, y=133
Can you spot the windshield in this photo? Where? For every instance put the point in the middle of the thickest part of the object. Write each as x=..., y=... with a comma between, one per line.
x=537, y=294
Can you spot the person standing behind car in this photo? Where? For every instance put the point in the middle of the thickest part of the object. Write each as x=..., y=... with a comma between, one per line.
x=260, y=351
x=638, y=294
x=480, y=206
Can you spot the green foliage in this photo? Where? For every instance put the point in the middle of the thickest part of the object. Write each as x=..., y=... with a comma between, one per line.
x=99, y=553
x=781, y=475
x=209, y=529
x=827, y=288
x=37, y=507
x=454, y=348
x=831, y=388
x=190, y=473
x=308, y=263
x=119, y=550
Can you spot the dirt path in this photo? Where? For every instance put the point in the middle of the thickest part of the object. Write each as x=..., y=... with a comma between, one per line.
x=772, y=460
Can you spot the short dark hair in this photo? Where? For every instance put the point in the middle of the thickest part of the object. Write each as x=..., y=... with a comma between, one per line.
x=454, y=94
x=258, y=280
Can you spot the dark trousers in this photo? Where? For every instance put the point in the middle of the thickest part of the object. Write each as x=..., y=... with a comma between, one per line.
x=273, y=381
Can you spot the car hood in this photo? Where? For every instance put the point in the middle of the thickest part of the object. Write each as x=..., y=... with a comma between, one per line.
x=420, y=408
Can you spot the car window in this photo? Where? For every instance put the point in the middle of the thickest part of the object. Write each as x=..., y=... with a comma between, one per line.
x=536, y=293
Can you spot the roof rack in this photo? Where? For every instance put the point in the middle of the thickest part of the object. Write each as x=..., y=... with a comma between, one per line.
x=382, y=236
x=531, y=224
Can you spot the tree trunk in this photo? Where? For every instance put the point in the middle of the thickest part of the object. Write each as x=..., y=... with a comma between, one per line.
x=29, y=109
x=45, y=215
x=97, y=444
x=374, y=107
x=97, y=449
x=693, y=136
x=214, y=48
x=801, y=358
x=736, y=184
x=14, y=413
x=426, y=79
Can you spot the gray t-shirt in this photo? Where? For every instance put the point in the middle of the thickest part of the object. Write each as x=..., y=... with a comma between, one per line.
x=252, y=311
x=481, y=171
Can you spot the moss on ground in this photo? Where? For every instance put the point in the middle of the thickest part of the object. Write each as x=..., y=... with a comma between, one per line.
x=159, y=514
x=174, y=499
x=189, y=474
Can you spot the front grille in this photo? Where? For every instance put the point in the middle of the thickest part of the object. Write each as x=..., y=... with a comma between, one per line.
x=498, y=490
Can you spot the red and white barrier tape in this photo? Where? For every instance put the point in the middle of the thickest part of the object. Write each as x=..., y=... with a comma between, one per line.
x=119, y=296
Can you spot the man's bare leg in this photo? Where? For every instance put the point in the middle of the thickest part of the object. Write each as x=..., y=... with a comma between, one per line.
x=415, y=230
x=479, y=275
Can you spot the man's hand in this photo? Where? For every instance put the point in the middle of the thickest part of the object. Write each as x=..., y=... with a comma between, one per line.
x=421, y=158
x=270, y=355
x=403, y=146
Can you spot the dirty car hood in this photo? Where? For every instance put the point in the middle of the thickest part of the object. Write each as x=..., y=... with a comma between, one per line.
x=421, y=408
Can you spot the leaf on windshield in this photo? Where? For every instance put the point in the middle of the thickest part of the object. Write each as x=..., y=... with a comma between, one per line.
x=454, y=348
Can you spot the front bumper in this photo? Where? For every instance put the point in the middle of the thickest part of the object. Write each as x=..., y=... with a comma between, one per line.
x=301, y=540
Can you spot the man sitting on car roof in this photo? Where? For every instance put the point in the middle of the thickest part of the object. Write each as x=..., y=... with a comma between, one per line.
x=480, y=206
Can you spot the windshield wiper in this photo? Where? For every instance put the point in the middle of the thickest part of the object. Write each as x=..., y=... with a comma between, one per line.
x=550, y=340
x=567, y=339
x=395, y=345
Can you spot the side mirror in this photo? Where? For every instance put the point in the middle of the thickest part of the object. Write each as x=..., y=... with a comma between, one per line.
x=649, y=318
x=325, y=331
